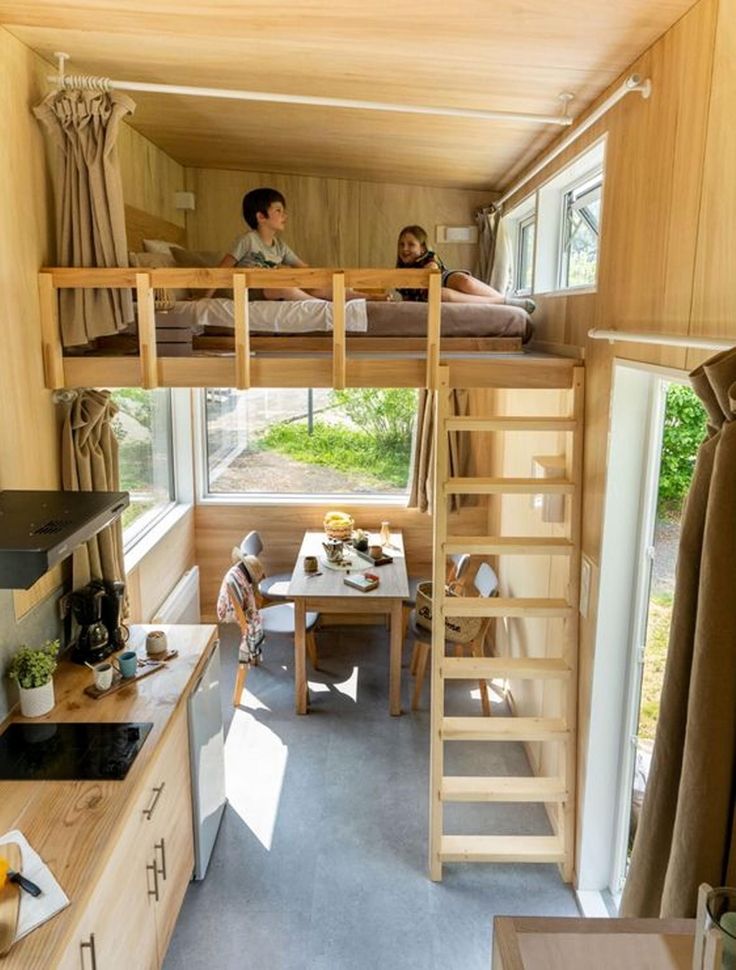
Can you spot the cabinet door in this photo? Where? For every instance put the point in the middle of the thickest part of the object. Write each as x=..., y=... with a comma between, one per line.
x=170, y=829
x=118, y=928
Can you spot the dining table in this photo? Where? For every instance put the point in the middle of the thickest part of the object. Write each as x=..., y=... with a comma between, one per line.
x=326, y=591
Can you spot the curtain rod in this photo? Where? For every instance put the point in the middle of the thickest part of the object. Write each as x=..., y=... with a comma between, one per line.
x=665, y=339
x=631, y=84
x=91, y=83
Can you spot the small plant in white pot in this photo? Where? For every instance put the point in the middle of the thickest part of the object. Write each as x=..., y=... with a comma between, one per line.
x=33, y=670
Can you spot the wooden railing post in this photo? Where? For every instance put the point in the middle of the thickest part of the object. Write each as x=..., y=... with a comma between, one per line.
x=242, y=332
x=338, y=331
x=53, y=359
x=147, y=331
x=434, y=327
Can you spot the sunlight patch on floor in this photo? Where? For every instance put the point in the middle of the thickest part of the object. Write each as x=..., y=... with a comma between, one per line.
x=251, y=702
x=255, y=764
x=349, y=687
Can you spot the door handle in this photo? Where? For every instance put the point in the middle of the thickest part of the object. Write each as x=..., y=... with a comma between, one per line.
x=89, y=945
x=157, y=789
x=152, y=867
x=161, y=846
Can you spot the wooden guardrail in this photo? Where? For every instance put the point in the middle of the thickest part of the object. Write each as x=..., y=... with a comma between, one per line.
x=145, y=282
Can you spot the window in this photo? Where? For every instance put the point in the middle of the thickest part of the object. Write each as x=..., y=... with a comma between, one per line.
x=558, y=229
x=524, y=263
x=581, y=216
x=143, y=427
x=308, y=443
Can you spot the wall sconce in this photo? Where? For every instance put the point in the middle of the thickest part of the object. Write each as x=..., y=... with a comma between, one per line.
x=552, y=507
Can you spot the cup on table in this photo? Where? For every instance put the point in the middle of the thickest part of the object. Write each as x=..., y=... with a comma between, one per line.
x=310, y=564
x=156, y=643
x=128, y=663
x=103, y=676
x=375, y=552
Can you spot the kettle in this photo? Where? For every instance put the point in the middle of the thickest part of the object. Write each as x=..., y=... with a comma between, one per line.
x=333, y=549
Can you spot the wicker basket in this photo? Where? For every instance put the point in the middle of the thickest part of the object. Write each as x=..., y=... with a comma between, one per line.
x=458, y=629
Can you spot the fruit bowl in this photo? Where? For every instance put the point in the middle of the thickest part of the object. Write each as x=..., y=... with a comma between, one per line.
x=338, y=525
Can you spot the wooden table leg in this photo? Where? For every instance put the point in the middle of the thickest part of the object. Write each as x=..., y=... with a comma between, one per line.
x=300, y=656
x=397, y=642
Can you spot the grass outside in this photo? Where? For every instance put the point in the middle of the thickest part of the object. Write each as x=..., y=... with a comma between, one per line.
x=655, y=656
x=379, y=461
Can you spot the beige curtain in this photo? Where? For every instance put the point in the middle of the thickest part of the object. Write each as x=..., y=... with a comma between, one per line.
x=90, y=215
x=494, y=249
x=686, y=835
x=89, y=462
x=420, y=492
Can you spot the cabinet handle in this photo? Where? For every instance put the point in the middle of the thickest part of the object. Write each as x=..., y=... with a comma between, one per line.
x=157, y=789
x=162, y=846
x=89, y=945
x=152, y=867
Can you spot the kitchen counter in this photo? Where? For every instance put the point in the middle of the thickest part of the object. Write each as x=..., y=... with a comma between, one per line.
x=74, y=825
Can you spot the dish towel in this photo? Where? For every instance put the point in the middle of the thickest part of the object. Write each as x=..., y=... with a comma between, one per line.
x=35, y=910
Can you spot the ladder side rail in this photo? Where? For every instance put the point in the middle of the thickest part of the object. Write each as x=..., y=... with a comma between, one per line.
x=437, y=690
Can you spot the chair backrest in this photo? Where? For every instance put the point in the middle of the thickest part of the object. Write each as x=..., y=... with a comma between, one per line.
x=486, y=580
x=460, y=562
x=252, y=545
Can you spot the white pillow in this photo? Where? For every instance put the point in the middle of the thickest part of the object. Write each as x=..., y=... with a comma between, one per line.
x=158, y=261
x=160, y=246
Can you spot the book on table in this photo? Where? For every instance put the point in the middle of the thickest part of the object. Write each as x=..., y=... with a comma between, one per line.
x=365, y=583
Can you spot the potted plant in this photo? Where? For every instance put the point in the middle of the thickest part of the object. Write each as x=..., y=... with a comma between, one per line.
x=33, y=670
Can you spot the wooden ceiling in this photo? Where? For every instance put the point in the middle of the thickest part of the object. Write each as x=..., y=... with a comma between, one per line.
x=508, y=55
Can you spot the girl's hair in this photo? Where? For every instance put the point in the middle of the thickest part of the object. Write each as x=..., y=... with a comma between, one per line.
x=419, y=234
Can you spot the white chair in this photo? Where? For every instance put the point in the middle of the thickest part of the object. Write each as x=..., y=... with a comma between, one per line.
x=485, y=583
x=275, y=619
x=270, y=587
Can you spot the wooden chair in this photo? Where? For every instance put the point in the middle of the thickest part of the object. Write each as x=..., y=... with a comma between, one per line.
x=485, y=583
x=270, y=587
x=275, y=619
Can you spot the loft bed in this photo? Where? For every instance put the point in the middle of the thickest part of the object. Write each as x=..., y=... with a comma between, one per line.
x=246, y=359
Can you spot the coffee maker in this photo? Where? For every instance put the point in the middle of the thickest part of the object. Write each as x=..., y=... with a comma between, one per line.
x=97, y=627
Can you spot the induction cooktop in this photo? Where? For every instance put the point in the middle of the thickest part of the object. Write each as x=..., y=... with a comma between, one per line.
x=70, y=752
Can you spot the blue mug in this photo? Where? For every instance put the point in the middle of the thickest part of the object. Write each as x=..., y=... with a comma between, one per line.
x=128, y=663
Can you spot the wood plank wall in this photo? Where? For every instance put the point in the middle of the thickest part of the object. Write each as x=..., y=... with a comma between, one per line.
x=668, y=236
x=29, y=448
x=332, y=222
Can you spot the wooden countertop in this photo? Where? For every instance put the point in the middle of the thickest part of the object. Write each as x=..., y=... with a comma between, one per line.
x=73, y=824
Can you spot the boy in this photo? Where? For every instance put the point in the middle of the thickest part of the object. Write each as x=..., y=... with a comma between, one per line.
x=264, y=210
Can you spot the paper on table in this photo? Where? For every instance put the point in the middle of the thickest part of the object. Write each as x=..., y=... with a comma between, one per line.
x=35, y=910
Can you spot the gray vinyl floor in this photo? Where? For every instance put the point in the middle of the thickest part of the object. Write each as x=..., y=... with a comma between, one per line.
x=321, y=859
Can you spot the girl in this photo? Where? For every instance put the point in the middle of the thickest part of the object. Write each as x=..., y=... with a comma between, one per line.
x=458, y=286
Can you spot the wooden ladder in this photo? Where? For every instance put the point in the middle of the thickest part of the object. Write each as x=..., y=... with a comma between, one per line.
x=557, y=793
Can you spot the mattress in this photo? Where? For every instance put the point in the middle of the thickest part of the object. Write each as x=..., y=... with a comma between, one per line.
x=372, y=319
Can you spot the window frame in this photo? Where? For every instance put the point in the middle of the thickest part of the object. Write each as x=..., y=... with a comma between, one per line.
x=180, y=474
x=524, y=224
x=594, y=179
x=205, y=497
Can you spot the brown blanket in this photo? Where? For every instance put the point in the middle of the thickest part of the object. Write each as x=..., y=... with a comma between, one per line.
x=458, y=320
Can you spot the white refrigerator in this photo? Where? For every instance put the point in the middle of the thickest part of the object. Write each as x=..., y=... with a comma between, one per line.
x=207, y=754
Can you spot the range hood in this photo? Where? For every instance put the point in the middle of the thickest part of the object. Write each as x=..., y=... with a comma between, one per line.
x=39, y=529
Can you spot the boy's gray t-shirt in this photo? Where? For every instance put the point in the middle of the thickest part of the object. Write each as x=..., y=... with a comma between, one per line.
x=250, y=250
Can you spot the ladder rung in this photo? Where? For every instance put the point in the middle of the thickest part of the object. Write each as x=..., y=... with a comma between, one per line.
x=461, y=788
x=503, y=729
x=503, y=606
x=508, y=486
x=508, y=546
x=510, y=424
x=515, y=668
x=501, y=848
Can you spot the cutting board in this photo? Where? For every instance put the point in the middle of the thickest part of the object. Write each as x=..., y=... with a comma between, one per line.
x=9, y=898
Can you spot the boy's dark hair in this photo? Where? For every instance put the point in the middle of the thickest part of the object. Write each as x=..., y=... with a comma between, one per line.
x=259, y=200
